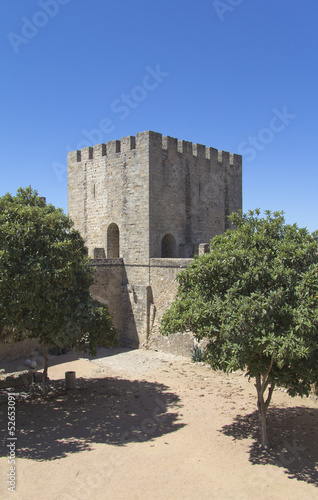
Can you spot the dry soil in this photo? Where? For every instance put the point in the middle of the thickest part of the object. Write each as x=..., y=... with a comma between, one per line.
x=147, y=425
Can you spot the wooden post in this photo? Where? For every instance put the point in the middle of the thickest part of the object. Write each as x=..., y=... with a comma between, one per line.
x=70, y=380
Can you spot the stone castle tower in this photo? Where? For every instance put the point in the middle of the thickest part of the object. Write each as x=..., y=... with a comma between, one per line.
x=144, y=205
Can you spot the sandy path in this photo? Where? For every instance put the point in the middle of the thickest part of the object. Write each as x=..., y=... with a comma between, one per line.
x=147, y=425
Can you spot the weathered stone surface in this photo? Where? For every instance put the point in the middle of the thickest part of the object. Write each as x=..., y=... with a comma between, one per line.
x=147, y=203
x=17, y=379
x=11, y=350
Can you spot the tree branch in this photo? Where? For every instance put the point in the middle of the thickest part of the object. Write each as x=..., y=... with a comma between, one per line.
x=269, y=397
x=266, y=376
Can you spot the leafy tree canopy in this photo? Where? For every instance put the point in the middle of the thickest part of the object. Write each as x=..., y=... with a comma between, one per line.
x=254, y=298
x=45, y=277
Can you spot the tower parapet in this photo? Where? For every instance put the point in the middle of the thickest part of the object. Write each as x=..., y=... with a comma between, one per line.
x=168, y=144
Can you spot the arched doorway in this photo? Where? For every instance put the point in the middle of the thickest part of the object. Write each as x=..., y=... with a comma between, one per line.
x=168, y=247
x=113, y=241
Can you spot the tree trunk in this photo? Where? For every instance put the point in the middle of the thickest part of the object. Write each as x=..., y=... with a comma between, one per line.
x=262, y=409
x=265, y=442
x=46, y=364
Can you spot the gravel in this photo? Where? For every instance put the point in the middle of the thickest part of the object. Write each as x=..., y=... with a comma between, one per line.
x=137, y=361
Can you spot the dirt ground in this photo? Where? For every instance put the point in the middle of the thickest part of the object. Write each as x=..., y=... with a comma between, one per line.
x=147, y=425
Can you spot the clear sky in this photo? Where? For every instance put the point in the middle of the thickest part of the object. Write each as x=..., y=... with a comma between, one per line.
x=237, y=75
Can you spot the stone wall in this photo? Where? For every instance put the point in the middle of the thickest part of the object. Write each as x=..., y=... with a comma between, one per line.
x=164, y=286
x=138, y=200
x=109, y=184
x=137, y=309
x=19, y=350
x=192, y=191
x=149, y=186
x=107, y=286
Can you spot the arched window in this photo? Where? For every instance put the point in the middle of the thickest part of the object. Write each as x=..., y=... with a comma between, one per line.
x=168, y=246
x=113, y=241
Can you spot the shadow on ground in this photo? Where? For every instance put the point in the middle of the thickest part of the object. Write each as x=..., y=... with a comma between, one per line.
x=294, y=437
x=108, y=410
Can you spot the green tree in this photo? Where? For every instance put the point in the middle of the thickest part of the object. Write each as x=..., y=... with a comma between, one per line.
x=45, y=277
x=254, y=297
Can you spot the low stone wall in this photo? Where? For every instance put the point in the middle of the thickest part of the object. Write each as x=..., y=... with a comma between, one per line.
x=137, y=297
x=10, y=351
x=177, y=343
x=18, y=379
x=164, y=286
x=107, y=286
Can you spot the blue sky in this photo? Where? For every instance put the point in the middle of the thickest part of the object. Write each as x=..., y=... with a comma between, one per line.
x=238, y=75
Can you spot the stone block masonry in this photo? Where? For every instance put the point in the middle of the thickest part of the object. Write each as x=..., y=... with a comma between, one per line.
x=145, y=205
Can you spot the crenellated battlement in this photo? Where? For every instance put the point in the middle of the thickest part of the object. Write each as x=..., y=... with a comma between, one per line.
x=151, y=139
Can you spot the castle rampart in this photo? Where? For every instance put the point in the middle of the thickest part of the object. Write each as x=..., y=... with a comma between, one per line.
x=167, y=143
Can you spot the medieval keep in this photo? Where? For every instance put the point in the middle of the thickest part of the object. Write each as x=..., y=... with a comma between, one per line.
x=145, y=206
